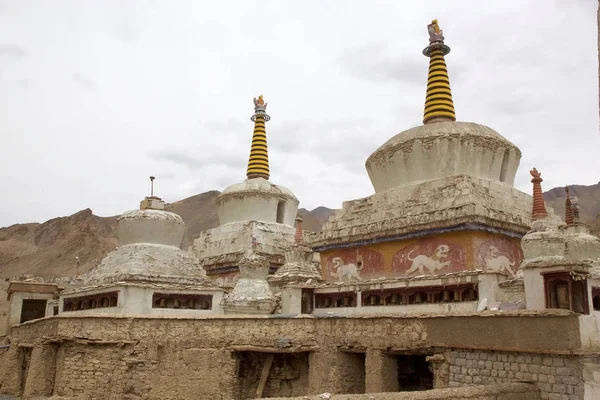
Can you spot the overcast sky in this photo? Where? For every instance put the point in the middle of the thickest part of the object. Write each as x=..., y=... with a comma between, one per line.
x=95, y=96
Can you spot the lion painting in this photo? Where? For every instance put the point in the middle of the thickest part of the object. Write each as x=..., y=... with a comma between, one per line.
x=343, y=271
x=496, y=262
x=432, y=263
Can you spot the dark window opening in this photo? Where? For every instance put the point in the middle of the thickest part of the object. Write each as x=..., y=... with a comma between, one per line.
x=101, y=300
x=182, y=301
x=263, y=375
x=414, y=373
x=504, y=167
x=33, y=309
x=307, y=301
x=280, y=211
x=567, y=290
x=55, y=310
x=335, y=299
x=596, y=298
x=420, y=295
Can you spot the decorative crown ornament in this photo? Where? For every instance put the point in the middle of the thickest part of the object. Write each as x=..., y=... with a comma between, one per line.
x=435, y=33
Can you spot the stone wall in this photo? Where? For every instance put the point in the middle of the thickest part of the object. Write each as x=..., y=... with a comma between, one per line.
x=108, y=357
x=557, y=377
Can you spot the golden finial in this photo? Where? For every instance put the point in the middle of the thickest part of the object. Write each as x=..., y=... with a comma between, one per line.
x=435, y=25
x=260, y=100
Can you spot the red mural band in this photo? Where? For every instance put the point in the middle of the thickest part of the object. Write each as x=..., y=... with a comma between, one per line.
x=425, y=257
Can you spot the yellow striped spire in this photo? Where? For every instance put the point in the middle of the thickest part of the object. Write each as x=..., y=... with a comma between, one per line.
x=258, y=164
x=438, y=102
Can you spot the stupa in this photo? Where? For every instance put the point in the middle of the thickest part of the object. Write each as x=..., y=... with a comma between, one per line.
x=147, y=273
x=444, y=198
x=253, y=214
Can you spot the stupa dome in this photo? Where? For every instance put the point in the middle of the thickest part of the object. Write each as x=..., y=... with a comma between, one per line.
x=257, y=199
x=148, y=251
x=150, y=226
x=441, y=149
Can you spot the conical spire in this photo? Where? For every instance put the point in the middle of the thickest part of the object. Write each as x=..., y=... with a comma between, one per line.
x=568, y=208
x=258, y=164
x=438, y=101
x=539, y=207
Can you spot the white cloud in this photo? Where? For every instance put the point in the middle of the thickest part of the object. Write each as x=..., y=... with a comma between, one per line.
x=99, y=95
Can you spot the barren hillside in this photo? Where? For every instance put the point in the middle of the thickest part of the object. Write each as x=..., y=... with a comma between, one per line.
x=589, y=201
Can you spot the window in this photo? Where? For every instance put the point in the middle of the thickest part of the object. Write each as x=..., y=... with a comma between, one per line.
x=182, y=301
x=504, y=167
x=306, y=306
x=33, y=309
x=419, y=295
x=280, y=211
x=567, y=290
x=596, y=298
x=414, y=373
x=100, y=300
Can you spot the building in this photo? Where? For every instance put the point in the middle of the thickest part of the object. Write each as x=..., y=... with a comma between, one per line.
x=446, y=280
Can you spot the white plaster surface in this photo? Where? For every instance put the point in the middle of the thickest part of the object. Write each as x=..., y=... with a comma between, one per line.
x=256, y=199
x=443, y=149
x=147, y=262
x=13, y=316
x=252, y=293
x=137, y=300
x=433, y=204
x=150, y=226
x=227, y=243
x=291, y=300
x=298, y=267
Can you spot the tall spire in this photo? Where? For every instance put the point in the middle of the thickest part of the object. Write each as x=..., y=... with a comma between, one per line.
x=438, y=101
x=539, y=207
x=258, y=164
x=568, y=208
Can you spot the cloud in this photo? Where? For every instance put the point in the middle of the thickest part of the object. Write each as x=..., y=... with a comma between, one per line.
x=12, y=52
x=204, y=157
x=176, y=88
x=83, y=81
x=378, y=63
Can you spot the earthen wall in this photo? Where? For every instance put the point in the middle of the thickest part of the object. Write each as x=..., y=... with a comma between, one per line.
x=160, y=358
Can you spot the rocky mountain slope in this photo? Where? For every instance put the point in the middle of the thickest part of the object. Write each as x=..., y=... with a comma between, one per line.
x=588, y=196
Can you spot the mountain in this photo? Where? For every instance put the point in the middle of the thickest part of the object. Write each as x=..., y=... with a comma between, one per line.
x=314, y=220
x=588, y=196
x=199, y=213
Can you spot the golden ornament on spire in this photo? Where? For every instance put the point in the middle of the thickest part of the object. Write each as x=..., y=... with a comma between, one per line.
x=258, y=163
x=438, y=101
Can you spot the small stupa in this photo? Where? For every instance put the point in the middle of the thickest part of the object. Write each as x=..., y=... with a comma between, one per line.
x=299, y=267
x=254, y=214
x=147, y=272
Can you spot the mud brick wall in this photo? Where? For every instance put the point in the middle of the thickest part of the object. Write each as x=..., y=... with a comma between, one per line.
x=557, y=377
x=169, y=358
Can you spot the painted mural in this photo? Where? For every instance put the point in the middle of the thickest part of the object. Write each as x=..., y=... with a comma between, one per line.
x=499, y=255
x=429, y=257
x=353, y=265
